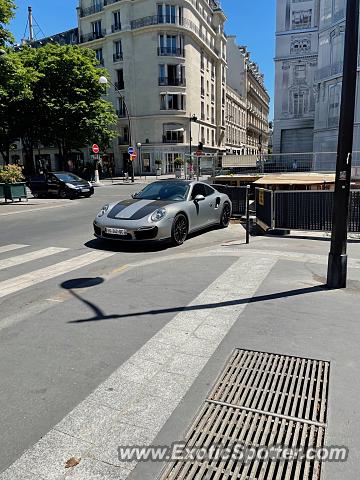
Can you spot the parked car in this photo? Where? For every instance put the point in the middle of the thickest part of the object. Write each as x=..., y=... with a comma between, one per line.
x=61, y=184
x=166, y=209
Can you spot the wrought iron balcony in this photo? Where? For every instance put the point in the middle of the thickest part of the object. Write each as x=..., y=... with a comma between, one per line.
x=171, y=52
x=116, y=28
x=84, y=12
x=118, y=57
x=89, y=37
x=173, y=82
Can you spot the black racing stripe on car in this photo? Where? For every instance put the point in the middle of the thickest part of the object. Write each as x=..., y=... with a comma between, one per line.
x=148, y=209
x=121, y=206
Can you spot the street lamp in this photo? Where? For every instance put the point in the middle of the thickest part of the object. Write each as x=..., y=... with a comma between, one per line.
x=104, y=81
x=193, y=118
x=140, y=163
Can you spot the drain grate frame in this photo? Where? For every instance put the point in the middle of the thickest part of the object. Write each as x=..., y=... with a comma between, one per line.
x=259, y=399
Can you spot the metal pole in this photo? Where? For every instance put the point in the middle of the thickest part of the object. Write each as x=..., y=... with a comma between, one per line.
x=190, y=119
x=337, y=266
x=247, y=214
x=197, y=167
x=31, y=27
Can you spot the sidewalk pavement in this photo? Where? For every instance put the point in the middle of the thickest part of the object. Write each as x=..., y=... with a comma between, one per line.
x=271, y=299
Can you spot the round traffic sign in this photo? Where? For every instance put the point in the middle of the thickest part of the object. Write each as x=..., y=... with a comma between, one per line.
x=95, y=148
x=199, y=153
x=131, y=151
x=133, y=156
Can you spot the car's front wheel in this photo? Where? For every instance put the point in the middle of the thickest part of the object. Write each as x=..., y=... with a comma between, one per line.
x=63, y=194
x=225, y=216
x=179, y=229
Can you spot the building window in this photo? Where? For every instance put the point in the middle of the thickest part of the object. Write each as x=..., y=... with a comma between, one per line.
x=96, y=29
x=122, y=110
x=334, y=104
x=99, y=55
x=171, y=45
x=120, y=79
x=117, y=21
x=173, y=133
x=301, y=19
x=300, y=72
x=170, y=14
x=118, y=55
x=202, y=111
x=173, y=75
x=172, y=101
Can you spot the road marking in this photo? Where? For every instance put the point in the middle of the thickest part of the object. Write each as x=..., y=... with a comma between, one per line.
x=37, y=276
x=28, y=257
x=9, y=248
x=27, y=210
x=134, y=403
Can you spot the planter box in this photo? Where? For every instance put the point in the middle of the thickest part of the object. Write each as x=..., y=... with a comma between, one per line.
x=2, y=191
x=179, y=172
x=158, y=172
x=15, y=191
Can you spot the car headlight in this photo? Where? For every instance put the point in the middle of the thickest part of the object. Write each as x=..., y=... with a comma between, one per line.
x=103, y=210
x=158, y=215
x=70, y=185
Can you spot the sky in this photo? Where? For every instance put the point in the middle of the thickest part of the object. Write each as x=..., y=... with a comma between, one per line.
x=252, y=21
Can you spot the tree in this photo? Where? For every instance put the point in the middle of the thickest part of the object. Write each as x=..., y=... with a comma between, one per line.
x=15, y=91
x=67, y=103
x=7, y=12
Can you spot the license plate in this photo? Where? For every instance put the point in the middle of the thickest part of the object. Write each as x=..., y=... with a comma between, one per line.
x=116, y=231
x=85, y=190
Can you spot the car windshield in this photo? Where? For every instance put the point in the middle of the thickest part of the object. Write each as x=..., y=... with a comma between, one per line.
x=164, y=191
x=67, y=177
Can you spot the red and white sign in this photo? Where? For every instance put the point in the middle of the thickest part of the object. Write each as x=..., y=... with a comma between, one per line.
x=133, y=156
x=199, y=153
x=95, y=149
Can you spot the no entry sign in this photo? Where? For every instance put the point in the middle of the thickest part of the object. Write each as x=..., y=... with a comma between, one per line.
x=95, y=148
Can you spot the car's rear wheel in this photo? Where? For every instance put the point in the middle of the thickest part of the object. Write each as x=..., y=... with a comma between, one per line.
x=225, y=216
x=179, y=229
x=63, y=194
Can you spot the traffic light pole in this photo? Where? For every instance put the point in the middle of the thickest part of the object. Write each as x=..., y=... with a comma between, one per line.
x=337, y=266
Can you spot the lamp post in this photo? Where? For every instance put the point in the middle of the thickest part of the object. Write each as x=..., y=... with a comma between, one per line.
x=193, y=118
x=337, y=266
x=140, y=160
x=104, y=81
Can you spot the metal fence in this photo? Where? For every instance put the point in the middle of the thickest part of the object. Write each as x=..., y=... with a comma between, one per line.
x=302, y=210
x=282, y=162
x=238, y=197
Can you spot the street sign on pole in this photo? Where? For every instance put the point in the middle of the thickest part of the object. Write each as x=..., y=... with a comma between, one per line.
x=133, y=156
x=131, y=151
x=95, y=149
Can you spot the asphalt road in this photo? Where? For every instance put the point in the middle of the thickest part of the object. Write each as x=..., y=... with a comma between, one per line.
x=61, y=337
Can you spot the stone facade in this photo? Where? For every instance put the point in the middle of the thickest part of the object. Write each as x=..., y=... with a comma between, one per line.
x=168, y=60
x=244, y=77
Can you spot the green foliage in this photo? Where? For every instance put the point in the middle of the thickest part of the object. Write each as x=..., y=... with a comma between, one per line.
x=178, y=162
x=11, y=174
x=56, y=89
x=7, y=12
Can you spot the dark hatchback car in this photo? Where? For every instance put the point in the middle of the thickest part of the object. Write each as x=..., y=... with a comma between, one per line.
x=61, y=184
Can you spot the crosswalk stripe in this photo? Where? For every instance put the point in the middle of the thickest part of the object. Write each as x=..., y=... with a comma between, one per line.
x=9, y=248
x=28, y=257
x=38, y=276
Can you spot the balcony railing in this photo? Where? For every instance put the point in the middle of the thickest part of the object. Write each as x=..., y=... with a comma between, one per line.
x=171, y=52
x=330, y=70
x=172, y=20
x=118, y=57
x=173, y=82
x=116, y=28
x=84, y=12
x=89, y=37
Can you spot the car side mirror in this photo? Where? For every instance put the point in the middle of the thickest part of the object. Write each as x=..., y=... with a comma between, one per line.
x=199, y=198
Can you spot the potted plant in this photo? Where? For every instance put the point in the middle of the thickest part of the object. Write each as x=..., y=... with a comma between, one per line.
x=14, y=186
x=178, y=164
x=158, y=164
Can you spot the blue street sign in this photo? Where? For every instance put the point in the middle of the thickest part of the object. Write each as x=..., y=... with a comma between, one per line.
x=130, y=150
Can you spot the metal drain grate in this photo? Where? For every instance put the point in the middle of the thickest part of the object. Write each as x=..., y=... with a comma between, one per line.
x=260, y=399
x=291, y=386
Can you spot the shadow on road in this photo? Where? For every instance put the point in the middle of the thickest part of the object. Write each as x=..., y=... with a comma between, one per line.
x=100, y=315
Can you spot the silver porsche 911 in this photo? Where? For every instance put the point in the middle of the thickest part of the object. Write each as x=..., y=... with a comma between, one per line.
x=166, y=209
